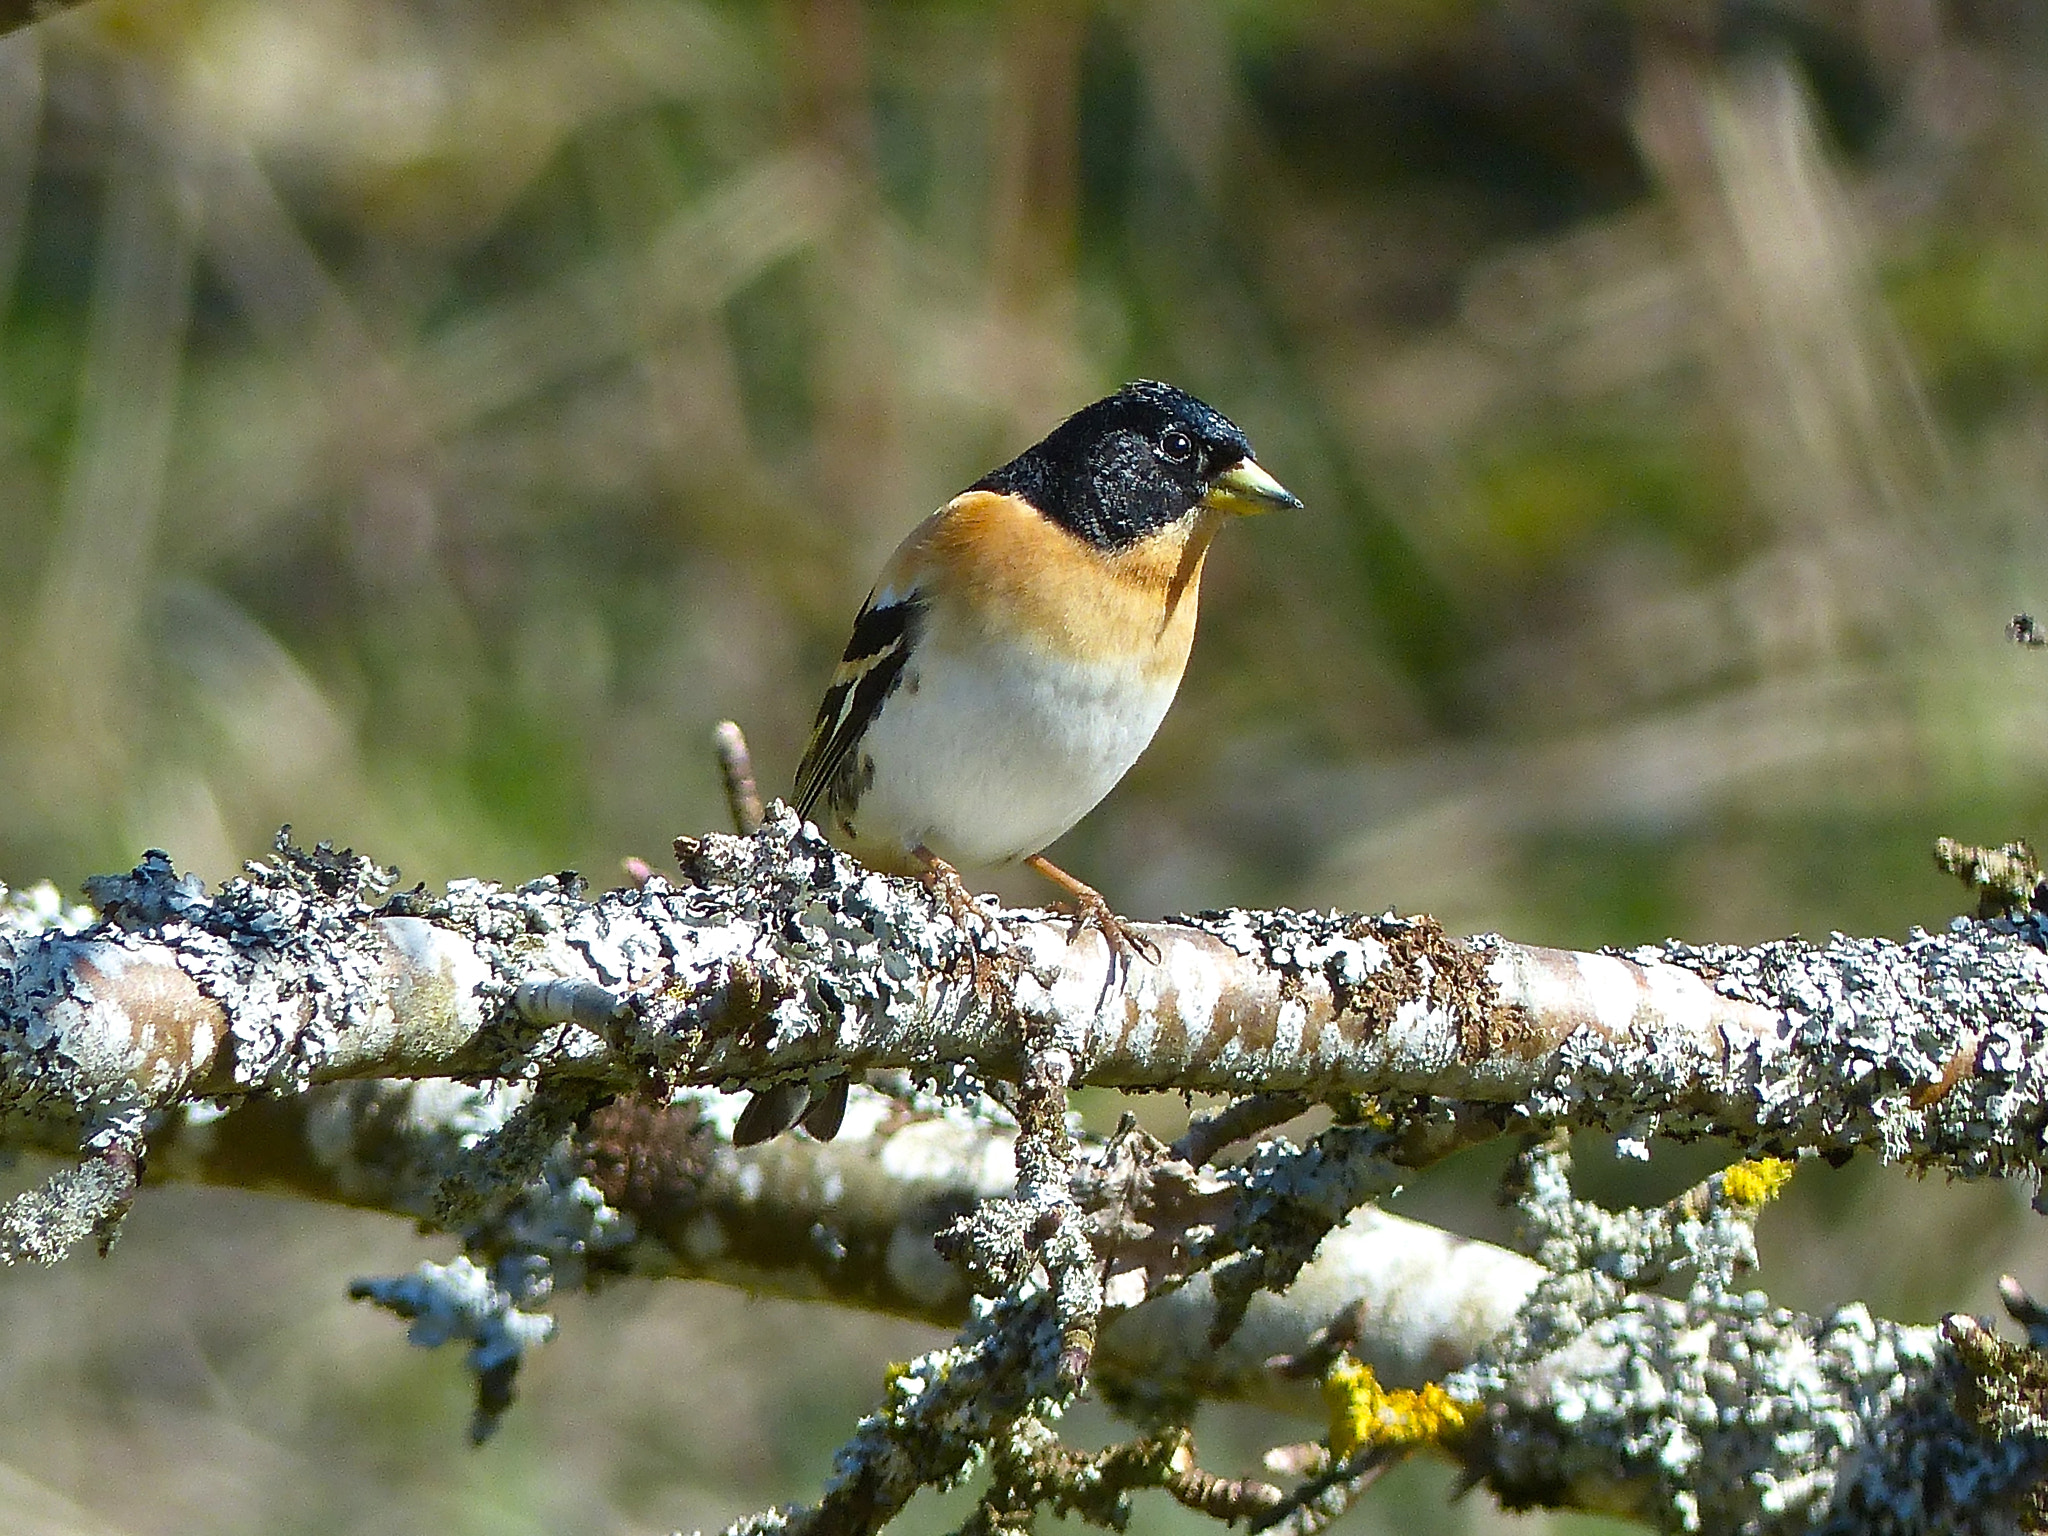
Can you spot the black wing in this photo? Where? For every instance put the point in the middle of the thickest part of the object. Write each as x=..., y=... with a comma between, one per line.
x=867, y=674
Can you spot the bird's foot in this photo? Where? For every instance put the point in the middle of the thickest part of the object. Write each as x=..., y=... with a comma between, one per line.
x=944, y=882
x=1125, y=942
x=1091, y=911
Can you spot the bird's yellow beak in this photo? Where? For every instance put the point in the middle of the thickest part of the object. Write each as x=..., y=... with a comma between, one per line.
x=1244, y=489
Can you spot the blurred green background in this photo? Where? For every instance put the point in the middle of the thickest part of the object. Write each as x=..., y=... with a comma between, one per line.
x=420, y=420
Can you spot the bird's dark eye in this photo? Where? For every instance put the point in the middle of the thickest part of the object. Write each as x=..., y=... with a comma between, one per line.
x=1176, y=445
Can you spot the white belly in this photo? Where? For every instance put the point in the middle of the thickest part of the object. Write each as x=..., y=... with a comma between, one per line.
x=987, y=761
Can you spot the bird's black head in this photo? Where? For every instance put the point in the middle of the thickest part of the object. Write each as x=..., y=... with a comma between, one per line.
x=1135, y=462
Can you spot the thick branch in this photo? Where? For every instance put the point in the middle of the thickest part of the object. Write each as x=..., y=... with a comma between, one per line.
x=782, y=959
x=1590, y=1395
x=852, y=1221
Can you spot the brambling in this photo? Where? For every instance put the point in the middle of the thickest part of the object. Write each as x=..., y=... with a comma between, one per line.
x=1018, y=653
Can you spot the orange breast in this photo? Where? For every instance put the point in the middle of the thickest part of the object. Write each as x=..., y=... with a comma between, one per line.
x=1007, y=568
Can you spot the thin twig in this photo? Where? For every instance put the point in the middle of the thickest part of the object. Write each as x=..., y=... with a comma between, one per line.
x=736, y=767
x=1235, y=1122
x=1321, y=1501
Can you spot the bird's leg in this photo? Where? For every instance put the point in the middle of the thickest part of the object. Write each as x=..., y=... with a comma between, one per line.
x=1090, y=910
x=944, y=882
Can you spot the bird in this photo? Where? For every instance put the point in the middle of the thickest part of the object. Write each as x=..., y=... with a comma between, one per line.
x=1025, y=640
x=1018, y=653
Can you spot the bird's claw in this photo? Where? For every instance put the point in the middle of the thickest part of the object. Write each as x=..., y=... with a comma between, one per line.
x=1124, y=941
x=944, y=882
x=1091, y=911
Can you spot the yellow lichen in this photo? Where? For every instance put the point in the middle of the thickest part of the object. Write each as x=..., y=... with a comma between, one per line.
x=1754, y=1182
x=1362, y=1109
x=1362, y=1412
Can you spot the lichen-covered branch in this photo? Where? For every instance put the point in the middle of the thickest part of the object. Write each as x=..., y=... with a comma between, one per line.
x=1150, y=1272
x=1717, y=1411
x=852, y=1221
x=781, y=959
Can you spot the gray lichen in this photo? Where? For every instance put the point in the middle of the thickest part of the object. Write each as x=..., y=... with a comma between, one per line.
x=780, y=966
x=492, y=1309
x=784, y=961
x=1723, y=1412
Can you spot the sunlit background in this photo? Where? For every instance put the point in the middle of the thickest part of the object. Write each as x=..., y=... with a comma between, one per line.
x=421, y=420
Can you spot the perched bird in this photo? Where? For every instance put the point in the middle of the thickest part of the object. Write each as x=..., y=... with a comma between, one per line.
x=1017, y=655
x=1025, y=640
